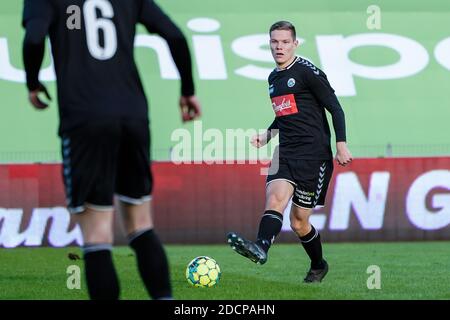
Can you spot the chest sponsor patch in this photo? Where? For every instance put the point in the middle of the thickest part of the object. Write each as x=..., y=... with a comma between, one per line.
x=284, y=105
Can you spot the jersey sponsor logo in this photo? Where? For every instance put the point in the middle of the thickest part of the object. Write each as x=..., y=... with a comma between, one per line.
x=304, y=196
x=271, y=89
x=291, y=82
x=284, y=105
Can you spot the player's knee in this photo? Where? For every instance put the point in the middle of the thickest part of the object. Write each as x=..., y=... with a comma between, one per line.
x=136, y=217
x=138, y=221
x=275, y=202
x=300, y=228
x=297, y=225
x=299, y=222
x=98, y=236
x=96, y=227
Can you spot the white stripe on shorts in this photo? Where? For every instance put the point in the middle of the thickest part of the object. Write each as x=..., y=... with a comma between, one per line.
x=134, y=201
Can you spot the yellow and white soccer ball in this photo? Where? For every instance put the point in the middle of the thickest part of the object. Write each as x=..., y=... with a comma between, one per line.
x=203, y=272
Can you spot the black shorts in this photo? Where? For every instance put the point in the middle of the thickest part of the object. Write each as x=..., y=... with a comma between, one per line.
x=106, y=158
x=310, y=179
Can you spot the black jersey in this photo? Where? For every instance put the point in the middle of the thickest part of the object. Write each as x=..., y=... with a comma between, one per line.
x=300, y=93
x=96, y=73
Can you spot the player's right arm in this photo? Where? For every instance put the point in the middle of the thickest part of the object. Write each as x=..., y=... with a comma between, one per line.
x=37, y=18
x=262, y=139
x=156, y=21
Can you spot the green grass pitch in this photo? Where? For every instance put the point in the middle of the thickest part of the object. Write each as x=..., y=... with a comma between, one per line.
x=415, y=270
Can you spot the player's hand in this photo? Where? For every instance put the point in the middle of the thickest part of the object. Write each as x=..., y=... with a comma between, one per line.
x=33, y=96
x=190, y=108
x=343, y=155
x=259, y=140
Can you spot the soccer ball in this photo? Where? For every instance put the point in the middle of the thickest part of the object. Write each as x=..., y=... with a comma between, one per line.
x=203, y=272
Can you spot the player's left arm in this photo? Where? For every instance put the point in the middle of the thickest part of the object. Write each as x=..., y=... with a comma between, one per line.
x=324, y=93
x=157, y=21
x=37, y=18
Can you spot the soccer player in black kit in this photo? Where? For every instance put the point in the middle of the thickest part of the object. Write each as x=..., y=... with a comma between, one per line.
x=104, y=126
x=300, y=93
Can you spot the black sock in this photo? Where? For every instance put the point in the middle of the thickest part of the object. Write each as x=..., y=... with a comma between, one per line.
x=101, y=276
x=269, y=228
x=152, y=263
x=313, y=247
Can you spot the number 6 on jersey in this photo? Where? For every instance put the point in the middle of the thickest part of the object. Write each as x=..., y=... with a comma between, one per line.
x=94, y=25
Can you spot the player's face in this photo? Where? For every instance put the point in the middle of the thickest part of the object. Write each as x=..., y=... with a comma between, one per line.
x=282, y=46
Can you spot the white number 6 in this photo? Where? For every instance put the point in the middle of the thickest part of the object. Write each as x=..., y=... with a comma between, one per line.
x=94, y=24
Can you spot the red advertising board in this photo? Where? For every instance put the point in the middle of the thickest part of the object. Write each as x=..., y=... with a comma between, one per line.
x=372, y=200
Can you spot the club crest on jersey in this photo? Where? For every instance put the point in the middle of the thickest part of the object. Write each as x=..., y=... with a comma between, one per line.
x=271, y=88
x=291, y=82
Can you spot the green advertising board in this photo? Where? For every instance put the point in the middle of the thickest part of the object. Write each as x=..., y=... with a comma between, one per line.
x=389, y=63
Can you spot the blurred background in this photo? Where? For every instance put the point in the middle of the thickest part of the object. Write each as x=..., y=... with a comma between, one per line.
x=388, y=62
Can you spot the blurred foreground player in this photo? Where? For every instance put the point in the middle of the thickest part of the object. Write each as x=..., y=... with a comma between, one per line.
x=104, y=125
x=300, y=94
